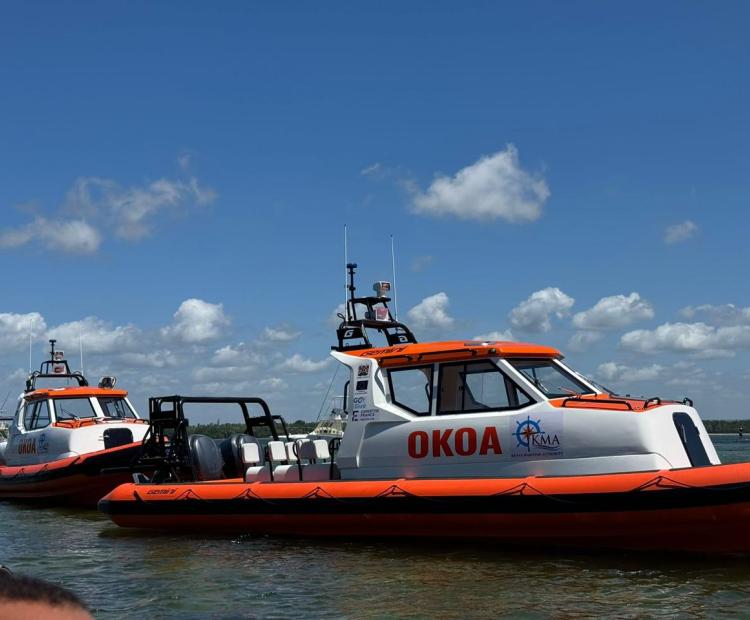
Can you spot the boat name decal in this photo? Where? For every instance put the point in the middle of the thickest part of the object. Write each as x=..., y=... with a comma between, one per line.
x=27, y=446
x=463, y=442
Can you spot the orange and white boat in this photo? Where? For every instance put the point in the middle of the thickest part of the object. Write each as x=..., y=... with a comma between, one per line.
x=63, y=441
x=495, y=441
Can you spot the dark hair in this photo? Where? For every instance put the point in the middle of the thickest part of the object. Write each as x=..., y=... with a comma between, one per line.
x=23, y=588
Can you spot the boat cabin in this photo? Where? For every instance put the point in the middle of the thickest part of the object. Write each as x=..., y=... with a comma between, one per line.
x=53, y=423
x=489, y=409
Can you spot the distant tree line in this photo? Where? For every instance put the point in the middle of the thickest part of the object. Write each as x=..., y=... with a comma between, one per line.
x=219, y=430
x=727, y=426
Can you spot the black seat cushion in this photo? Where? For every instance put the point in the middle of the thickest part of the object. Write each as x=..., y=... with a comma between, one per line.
x=231, y=452
x=205, y=458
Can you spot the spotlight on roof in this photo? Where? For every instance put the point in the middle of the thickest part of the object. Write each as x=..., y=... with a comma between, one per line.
x=107, y=383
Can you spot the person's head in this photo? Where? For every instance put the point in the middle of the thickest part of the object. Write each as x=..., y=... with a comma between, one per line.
x=28, y=598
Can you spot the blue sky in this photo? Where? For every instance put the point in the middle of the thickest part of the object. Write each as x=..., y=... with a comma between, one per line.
x=531, y=160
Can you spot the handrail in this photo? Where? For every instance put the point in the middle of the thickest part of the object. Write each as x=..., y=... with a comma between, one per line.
x=595, y=401
x=654, y=399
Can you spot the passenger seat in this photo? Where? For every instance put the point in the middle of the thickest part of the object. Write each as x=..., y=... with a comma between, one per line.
x=290, y=471
x=253, y=458
x=315, y=451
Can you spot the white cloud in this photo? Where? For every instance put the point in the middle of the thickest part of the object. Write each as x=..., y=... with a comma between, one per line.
x=334, y=319
x=677, y=233
x=280, y=334
x=505, y=336
x=420, y=263
x=15, y=328
x=723, y=314
x=225, y=374
x=431, y=312
x=697, y=339
x=152, y=359
x=614, y=312
x=534, y=313
x=130, y=211
x=610, y=371
x=238, y=355
x=97, y=336
x=94, y=204
x=581, y=341
x=69, y=236
x=494, y=187
x=297, y=363
x=17, y=376
x=372, y=169
x=197, y=321
x=273, y=384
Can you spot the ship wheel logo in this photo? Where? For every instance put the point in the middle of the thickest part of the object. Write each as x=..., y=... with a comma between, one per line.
x=529, y=434
x=526, y=431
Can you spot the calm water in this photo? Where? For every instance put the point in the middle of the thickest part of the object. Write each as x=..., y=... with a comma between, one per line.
x=125, y=574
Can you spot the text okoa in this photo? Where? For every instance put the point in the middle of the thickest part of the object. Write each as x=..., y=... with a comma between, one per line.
x=461, y=442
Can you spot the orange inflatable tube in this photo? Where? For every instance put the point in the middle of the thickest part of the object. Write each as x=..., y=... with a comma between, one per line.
x=698, y=509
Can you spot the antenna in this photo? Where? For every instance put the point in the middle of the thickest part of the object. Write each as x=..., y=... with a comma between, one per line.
x=393, y=268
x=346, y=279
x=29, y=345
x=80, y=345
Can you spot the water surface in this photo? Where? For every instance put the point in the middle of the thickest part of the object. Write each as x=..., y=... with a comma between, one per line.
x=132, y=574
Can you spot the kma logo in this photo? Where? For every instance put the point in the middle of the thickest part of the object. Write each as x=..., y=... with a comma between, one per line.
x=533, y=440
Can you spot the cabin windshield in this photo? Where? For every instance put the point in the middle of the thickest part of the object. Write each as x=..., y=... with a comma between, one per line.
x=73, y=408
x=116, y=408
x=550, y=379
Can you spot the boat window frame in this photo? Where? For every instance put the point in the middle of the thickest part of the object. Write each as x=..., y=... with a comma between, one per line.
x=93, y=403
x=507, y=379
x=29, y=407
x=430, y=384
x=35, y=421
x=112, y=398
x=568, y=373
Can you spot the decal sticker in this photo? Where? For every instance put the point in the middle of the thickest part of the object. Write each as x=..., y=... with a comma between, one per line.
x=363, y=370
x=364, y=415
x=361, y=386
x=464, y=442
x=359, y=402
x=386, y=351
x=161, y=491
x=533, y=437
x=27, y=446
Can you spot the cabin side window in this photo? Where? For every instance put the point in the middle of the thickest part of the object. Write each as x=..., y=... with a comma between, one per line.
x=36, y=415
x=411, y=388
x=74, y=408
x=475, y=387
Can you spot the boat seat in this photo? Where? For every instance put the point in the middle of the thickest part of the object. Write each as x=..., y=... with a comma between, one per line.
x=205, y=458
x=286, y=473
x=315, y=452
x=291, y=455
x=231, y=451
x=276, y=452
x=252, y=457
